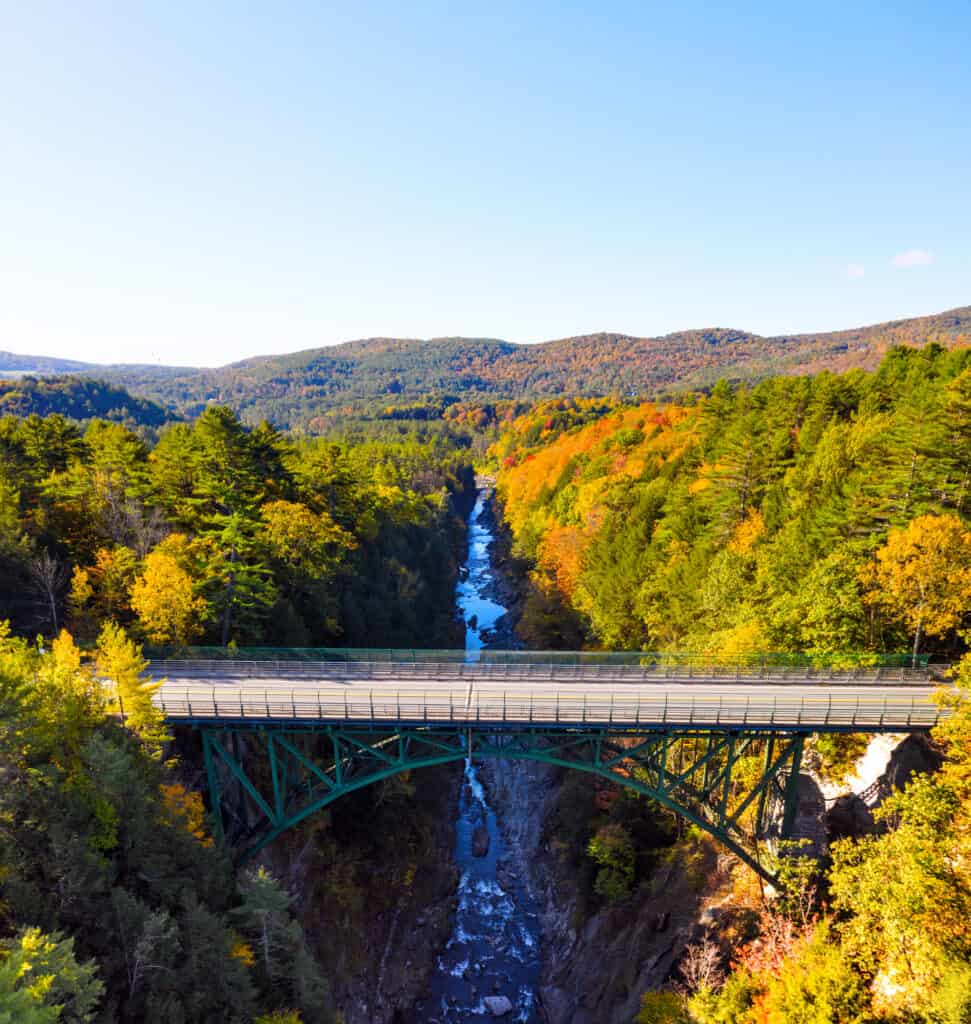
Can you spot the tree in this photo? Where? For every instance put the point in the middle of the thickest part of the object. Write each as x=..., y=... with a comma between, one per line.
x=662, y=1008
x=264, y=915
x=906, y=894
x=957, y=418
x=613, y=850
x=239, y=583
x=286, y=968
x=49, y=576
x=149, y=942
x=41, y=980
x=121, y=661
x=312, y=544
x=922, y=575
x=817, y=985
x=701, y=965
x=164, y=595
x=101, y=591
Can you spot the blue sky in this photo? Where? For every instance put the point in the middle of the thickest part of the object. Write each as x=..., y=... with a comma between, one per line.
x=196, y=183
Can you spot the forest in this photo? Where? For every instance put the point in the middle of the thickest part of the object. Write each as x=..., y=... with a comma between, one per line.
x=300, y=391
x=219, y=534
x=117, y=904
x=80, y=399
x=824, y=515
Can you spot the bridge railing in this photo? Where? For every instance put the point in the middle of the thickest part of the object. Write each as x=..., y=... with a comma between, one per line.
x=373, y=706
x=560, y=671
x=750, y=661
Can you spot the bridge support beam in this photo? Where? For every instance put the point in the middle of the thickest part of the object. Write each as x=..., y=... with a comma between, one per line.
x=740, y=786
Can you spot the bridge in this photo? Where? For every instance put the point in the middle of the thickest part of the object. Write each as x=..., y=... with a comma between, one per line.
x=719, y=744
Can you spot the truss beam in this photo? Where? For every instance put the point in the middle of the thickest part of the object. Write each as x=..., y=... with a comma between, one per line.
x=263, y=781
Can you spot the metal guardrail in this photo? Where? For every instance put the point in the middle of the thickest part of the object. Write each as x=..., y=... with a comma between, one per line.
x=557, y=672
x=667, y=659
x=905, y=709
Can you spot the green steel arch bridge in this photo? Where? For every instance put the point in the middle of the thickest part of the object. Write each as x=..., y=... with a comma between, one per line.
x=286, y=733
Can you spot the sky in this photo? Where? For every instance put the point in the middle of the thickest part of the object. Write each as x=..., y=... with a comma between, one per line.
x=196, y=183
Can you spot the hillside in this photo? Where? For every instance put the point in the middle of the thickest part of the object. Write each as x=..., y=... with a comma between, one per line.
x=13, y=364
x=78, y=399
x=295, y=390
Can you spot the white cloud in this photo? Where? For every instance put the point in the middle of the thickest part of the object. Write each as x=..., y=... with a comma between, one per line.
x=855, y=270
x=913, y=258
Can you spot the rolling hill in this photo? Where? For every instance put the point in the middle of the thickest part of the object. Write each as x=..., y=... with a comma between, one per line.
x=294, y=390
x=78, y=398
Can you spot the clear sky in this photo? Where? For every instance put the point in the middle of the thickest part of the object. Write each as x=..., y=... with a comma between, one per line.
x=198, y=182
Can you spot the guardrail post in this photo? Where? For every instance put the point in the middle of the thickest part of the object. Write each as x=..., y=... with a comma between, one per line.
x=266, y=701
x=293, y=703
x=503, y=705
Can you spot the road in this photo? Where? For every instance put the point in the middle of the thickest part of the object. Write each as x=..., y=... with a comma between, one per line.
x=623, y=696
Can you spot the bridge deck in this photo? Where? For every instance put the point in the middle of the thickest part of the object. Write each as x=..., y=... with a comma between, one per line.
x=626, y=696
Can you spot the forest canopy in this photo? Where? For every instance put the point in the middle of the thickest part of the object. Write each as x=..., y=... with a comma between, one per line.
x=823, y=514
x=220, y=533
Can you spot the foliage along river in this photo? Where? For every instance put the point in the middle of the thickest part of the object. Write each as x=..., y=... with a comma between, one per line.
x=494, y=948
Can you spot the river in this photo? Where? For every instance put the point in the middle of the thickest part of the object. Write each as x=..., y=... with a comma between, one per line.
x=493, y=951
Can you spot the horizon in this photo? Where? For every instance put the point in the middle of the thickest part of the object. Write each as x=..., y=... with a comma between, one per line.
x=479, y=338
x=198, y=187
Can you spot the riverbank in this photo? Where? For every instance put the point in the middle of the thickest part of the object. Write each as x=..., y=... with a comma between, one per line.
x=506, y=585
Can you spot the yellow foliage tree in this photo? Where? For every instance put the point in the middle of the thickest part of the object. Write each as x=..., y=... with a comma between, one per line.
x=185, y=808
x=100, y=591
x=922, y=575
x=69, y=698
x=163, y=597
x=311, y=542
x=120, y=661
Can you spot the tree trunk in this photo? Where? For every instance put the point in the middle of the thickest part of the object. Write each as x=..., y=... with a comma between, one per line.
x=230, y=591
x=917, y=634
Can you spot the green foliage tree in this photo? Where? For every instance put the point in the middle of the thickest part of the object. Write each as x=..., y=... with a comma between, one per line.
x=613, y=851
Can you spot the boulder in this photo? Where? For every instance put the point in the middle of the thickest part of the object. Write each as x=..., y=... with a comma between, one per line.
x=498, y=1006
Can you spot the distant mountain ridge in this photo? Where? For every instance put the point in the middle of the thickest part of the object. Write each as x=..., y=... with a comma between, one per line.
x=293, y=390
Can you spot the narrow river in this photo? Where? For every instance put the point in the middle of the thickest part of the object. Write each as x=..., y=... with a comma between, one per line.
x=490, y=965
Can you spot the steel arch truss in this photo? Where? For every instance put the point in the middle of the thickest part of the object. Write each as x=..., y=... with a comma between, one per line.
x=265, y=779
